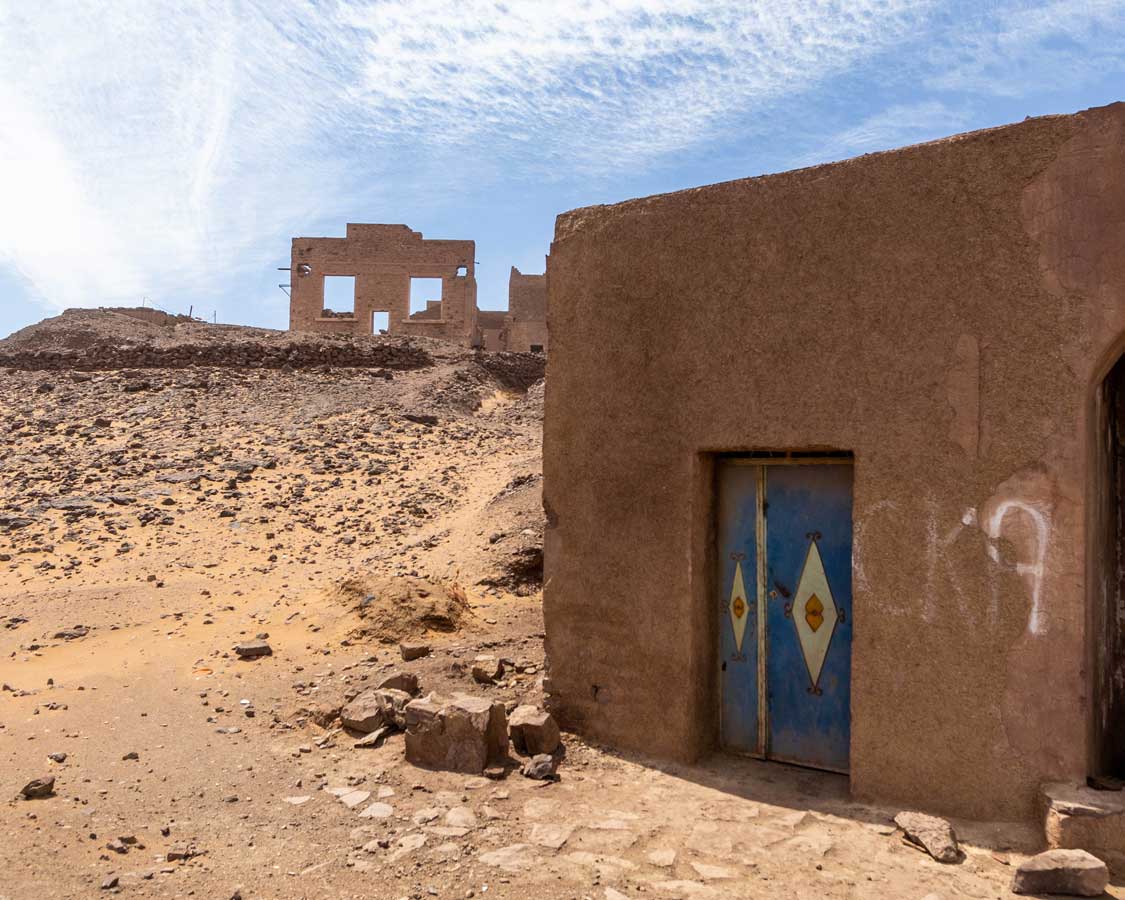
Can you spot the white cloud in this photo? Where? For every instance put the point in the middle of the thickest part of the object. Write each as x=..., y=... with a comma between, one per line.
x=147, y=145
x=1019, y=48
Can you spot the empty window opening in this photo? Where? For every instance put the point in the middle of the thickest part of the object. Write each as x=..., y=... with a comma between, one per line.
x=462, y=271
x=339, y=295
x=536, y=348
x=380, y=322
x=425, y=298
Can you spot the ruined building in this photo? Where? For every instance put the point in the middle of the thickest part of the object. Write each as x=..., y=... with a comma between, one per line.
x=378, y=264
x=855, y=498
x=525, y=325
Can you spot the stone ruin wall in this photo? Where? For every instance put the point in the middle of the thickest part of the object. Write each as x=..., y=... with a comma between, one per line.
x=383, y=259
x=526, y=323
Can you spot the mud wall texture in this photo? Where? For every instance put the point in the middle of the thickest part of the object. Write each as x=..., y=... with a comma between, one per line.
x=526, y=323
x=946, y=312
x=383, y=259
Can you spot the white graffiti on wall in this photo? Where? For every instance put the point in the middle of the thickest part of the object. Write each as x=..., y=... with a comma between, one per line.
x=1033, y=570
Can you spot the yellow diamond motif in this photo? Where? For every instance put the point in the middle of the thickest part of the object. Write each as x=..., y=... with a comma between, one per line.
x=739, y=607
x=814, y=612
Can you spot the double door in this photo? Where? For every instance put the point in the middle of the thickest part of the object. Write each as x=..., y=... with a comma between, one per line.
x=785, y=602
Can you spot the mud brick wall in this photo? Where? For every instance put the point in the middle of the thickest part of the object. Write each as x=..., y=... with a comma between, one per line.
x=948, y=313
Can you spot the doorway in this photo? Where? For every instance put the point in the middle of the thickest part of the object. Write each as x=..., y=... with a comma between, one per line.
x=784, y=558
x=1108, y=614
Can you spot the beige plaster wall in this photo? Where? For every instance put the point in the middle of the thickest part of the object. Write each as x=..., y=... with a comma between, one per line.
x=945, y=312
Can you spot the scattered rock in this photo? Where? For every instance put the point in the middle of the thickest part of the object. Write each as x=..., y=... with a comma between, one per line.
x=533, y=731
x=541, y=768
x=39, y=788
x=411, y=651
x=1072, y=872
x=110, y=882
x=364, y=713
x=487, y=669
x=253, y=649
x=931, y=834
x=401, y=681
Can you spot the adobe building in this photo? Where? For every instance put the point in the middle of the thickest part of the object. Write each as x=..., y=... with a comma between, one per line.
x=525, y=326
x=834, y=467
x=381, y=262
x=383, y=259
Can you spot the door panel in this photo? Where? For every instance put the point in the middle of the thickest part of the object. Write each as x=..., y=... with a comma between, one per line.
x=809, y=606
x=738, y=607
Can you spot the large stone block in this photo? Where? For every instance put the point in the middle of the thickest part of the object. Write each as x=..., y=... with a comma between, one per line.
x=533, y=731
x=1078, y=817
x=1074, y=873
x=464, y=734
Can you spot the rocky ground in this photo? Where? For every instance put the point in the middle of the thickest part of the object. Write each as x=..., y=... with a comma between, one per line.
x=152, y=519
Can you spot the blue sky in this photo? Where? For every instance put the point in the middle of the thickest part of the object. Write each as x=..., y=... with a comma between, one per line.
x=170, y=150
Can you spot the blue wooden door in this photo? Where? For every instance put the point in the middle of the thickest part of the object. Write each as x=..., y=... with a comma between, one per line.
x=786, y=691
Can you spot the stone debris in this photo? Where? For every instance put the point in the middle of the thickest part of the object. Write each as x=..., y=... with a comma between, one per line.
x=533, y=731
x=364, y=713
x=1074, y=873
x=377, y=810
x=411, y=650
x=39, y=788
x=374, y=739
x=931, y=834
x=464, y=734
x=353, y=798
x=487, y=669
x=253, y=649
x=541, y=768
x=406, y=682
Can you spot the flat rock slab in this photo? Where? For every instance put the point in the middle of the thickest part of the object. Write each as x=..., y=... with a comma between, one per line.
x=1073, y=873
x=377, y=811
x=253, y=649
x=352, y=799
x=550, y=836
x=932, y=834
x=513, y=858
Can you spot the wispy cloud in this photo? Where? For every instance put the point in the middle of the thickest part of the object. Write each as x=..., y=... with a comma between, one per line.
x=892, y=127
x=152, y=145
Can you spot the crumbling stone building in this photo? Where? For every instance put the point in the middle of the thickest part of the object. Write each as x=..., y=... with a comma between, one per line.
x=380, y=264
x=383, y=259
x=525, y=326
x=855, y=497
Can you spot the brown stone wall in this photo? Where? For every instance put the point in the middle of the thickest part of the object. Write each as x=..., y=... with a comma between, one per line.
x=383, y=259
x=490, y=324
x=946, y=312
x=526, y=323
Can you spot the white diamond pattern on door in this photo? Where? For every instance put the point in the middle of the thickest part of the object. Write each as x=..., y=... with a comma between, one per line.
x=739, y=606
x=814, y=613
